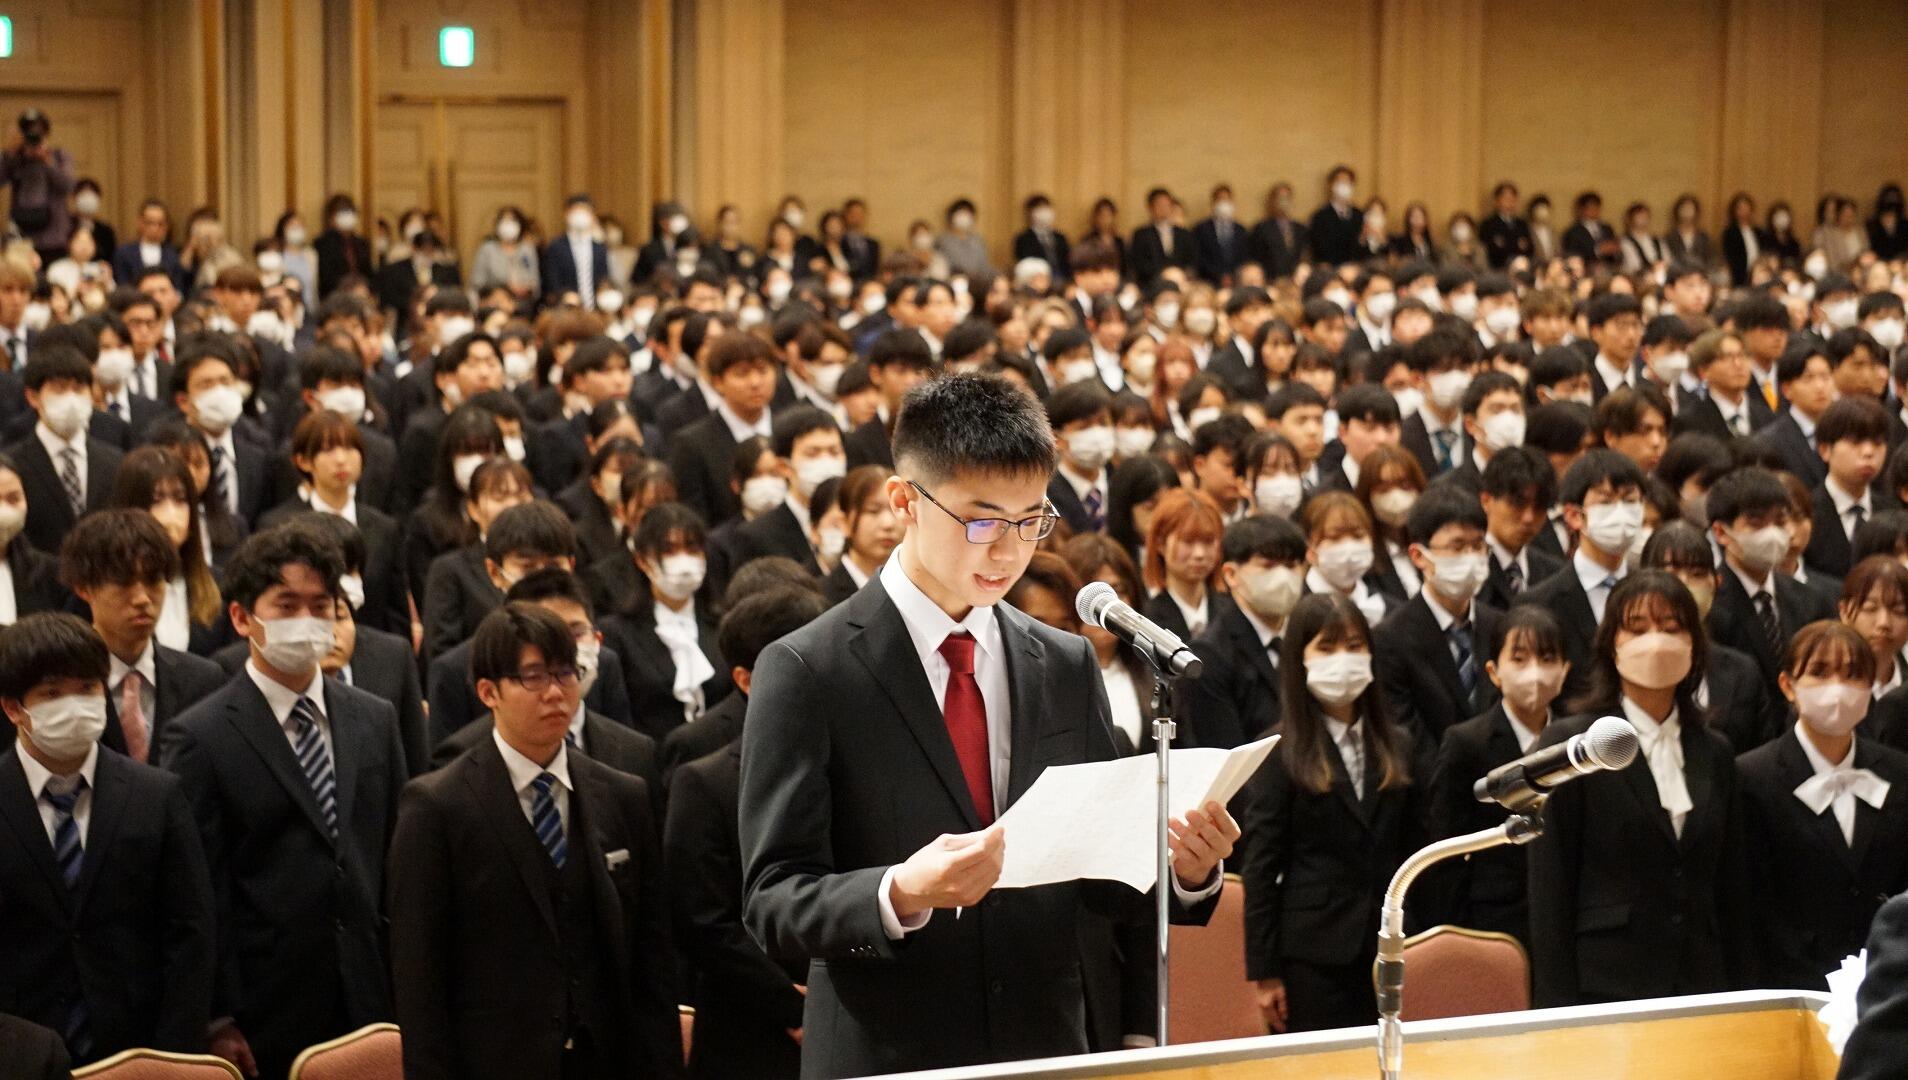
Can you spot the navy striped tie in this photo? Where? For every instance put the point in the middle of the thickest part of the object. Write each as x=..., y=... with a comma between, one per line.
x=70, y=855
x=544, y=818
x=315, y=760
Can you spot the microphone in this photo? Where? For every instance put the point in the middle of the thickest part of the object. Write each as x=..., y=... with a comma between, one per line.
x=1098, y=605
x=1609, y=744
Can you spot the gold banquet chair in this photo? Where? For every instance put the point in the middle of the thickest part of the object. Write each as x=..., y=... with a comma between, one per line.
x=159, y=1065
x=373, y=1052
x=1211, y=997
x=1455, y=971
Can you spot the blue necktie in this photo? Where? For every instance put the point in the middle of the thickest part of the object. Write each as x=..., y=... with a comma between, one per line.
x=1466, y=658
x=544, y=818
x=1445, y=440
x=1096, y=510
x=69, y=854
x=315, y=760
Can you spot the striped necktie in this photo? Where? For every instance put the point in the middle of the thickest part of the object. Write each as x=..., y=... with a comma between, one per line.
x=70, y=856
x=315, y=760
x=70, y=480
x=545, y=819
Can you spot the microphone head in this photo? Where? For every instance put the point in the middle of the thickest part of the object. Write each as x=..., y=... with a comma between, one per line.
x=1610, y=743
x=1092, y=601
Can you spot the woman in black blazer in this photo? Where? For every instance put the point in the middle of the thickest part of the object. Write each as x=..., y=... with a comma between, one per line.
x=1732, y=690
x=1322, y=848
x=33, y=575
x=1131, y=499
x=669, y=685
x=1182, y=563
x=1637, y=884
x=441, y=521
x=1825, y=812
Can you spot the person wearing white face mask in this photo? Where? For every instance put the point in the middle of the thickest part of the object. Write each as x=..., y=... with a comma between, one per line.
x=1429, y=655
x=505, y=259
x=1822, y=812
x=1664, y=833
x=1082, y=419
x=577, y=260
x=1339, y=799
x=1603, y=505
x=1237, y=698
x=1488, y=890
x=1664, y=363
x=1377, y=299
x=808, y=452
x=262, y=765
x=1338, y=535
x=669, y=645
x=1493, y=418
x=205, y=389
x=106, y=826
x=815, y=356
x=465, y=585
x=1441, y=364
x=66, y=471
x=1757, y=609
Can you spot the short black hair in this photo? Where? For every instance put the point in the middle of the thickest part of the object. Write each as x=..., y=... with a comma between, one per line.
x=49, y=645
x=666, y=523
x=1794, y=360
x=1760, y=311
x=767, y=573
x=1595, y=468
x=1226, y=433
x=1368, y=402
x=1557, y=364
x=1063, y=341
x=1484, y=385
x=792, y=423
x=1693, y=455
x=1858, y=418
x=763, y=618
x=1440, y=505
x=1877, y=302
x=260, y=561
x=1754, y=490
x=733, y=350
x=1263, y=536
x=1290, y=396
x=1078, y=401
x=552, y=583
x=902, y=347
x=532, y=528
x=1517, y=472
x=1621, y=410
x=1557, y=428
x=1843, y=343
x=323, y=364
x=339, y=532
x=972, y=422
x=1670, y=328
x=1678, y=545
x=1610, y=306
x=1530, y=621
x=594, y=353
x=503, y=634
x=117, y=547
x=56, y=363
x=194, y=350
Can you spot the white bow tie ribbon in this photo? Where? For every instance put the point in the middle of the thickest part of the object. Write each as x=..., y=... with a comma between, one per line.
x=1820, y=791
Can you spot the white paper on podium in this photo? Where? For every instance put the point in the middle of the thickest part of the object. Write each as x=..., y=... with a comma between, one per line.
x=1100, y=819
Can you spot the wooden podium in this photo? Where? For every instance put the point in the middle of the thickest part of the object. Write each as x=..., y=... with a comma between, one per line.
x=1758, y=1035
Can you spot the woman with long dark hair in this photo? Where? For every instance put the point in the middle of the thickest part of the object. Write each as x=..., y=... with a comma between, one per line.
x=193, y=616
x=440, y=523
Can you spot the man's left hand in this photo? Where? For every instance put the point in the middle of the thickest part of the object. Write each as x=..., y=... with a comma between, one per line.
x=1198, y=842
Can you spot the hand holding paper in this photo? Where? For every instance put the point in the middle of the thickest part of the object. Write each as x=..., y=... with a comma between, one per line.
x=952, y=871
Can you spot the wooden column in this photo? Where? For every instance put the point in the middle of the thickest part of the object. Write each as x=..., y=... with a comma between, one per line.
x=1068, y=117
x=1430, y=107
x=1772, y=105
x=736, y=137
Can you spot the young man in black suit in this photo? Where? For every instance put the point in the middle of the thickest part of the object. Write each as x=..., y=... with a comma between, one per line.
x=1159, y=243
x=808, y=452
x=562, y=966
x=748, y=1007
x=1237, y=698
x=1236, y=363
x=1040, y=240
x=898, y=361
x=1602, y=494
x=1081, y=415
x=108, y=935
x=205, y=391
x=1729, y=406
x=1808, y=385
x=575, y=261
x=1516, y=491
x=1336, y=225
x=467, y=584
x=1758, y=608
x=33, y=1052
x=1220, y=243
x=1852, y=440
x=294, y=780
x=118, y=563
x=1428, y=656
x=921, y=682
x=66, y=471
x=1442, y=363
x=742, y=370
x=1505, y=235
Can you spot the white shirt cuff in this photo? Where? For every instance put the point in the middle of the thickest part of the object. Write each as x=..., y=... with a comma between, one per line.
x=1190, y=898
x=891, y=923
x=1138, y=1042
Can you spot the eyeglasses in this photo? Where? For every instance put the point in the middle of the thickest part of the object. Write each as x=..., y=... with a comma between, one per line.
x=538, y=681
x=991, y=530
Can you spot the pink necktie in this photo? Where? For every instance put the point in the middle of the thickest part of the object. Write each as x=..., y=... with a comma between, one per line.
x=132, y=716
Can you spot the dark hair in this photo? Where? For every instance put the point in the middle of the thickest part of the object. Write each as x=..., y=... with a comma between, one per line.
x=1519, y=472
x=1132, y=483
x=1641, y=587
x=1078, y=401
x=49, y=645
x=666, y=525
x=1622, y=410
x=503, y=634
x=1265, y=537
x=762, y=618
x=1693, y=455
x=1557, y=428
x=1856, y=418
x=57, y=363
x=1595, y=468
x=341, y=533
x=973, y=422
x=792, y=423
x=323, y=430
x=1753, y=490
x=734, y=350
x=1305, y=745
x=1760, y=311
x=1440, y=505
x=260, y=561
x=1291, y=396
x=901, y=347
x=1610, y=306
x=322, y=363
x=143, y=475
x=1368, y=402
x=1557, y=364
x=1884, y=533
x=532, y=528
x=552, y=583
x=594, y=353
x=1794, y=360
x=1532, y=624
x=117, y=547
x=1678, y=545
x=1227, y=433
x=1484, y=385
x=766, y=573
x=1882, y=574
x=197, y=349
x=1670, y=328
x=471, y=429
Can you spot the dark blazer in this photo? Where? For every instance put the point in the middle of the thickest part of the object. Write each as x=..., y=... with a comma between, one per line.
x=398, y=283
x=1700, y=414
x=1739, y=704
x=596, y=535
x=340, y=254
x=745, y=1002
x=1074, y=512
x=180, y=681
x=1736, y=253
x=1236, y=699
x=1620, y=907
x=616, y=583
x=1733, y=622
x=699, y=456
x=606, y=741
x=1216, y=259
x=651, y=674
x=1412, y=664
x=49, y=514
x=1146, y=256
x=1878, y=1050
x=1829, y=551
x=1504, y=239
x=1234, y=365
x=869, y=444
x=1562, y=594
x=1583, y=239
x=838, y=585
x=36, y=580
x=1055, y=250
x=777, y=532
x=559, y=266
x=715, y=729
x=1814, y=895
x=453, y=694
x=1486, y=890
x=1334, y=237
x=1415, y=437
x=681, y=410
x=134, y=937
x=1496, y=588
x=1161, y=609
x=30, y=1051
x=458, y=593
x=842, y=719
x=382, y=665
x=300, y=947
x=1278, y=250
x=480, y=943
x=128, y=264
x=1786, y=439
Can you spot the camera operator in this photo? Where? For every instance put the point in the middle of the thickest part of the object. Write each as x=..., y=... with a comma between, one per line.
x=42, y=176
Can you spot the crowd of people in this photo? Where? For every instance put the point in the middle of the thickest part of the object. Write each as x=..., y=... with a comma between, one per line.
x=316, y=556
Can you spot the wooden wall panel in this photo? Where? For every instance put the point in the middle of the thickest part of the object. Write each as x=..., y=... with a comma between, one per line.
x=1864, y=85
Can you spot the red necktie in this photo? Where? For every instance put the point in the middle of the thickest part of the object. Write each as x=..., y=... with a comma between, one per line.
x=967, y=723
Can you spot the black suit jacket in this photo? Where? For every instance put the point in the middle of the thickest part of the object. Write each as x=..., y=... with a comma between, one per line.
x=458, y=593
x=699, y=456
x=1056, y=252
x=651, y=674
x=338, y=255
x=596, y=535
x=1236, y=367
x=1736, y=252
x=452, y=693
x=842, y=722
x=1733, y=622
x=49, y=515
x=1415, y=437
x=1496, y=589
x=1161, y=609
x=1335, y=238
x=386, y=593
x=398, y=283
x=1739, y=704
x=1785, y=437
x=36, y=581
x=180, y=681
x=31, y=1051
x=838, y=585
x=1147, y=256
x=1829, y=551
x=1620, y=906
x=1700, y=414
x=300, y=914
x=1412, y=662
x=680, y=411
x=382, y=665
x=715, y=729
x=1486, y=890
x=1236, y=699
x=777, y=532
x=1074, y=512
x=745, y=1002
x=1276, y=249
x=1878, y=1048
x=869, y=444
x=1582, y=239
x=559, y=266
x=606, y=741
x=1563, y=596
x=128, y=263
x=1216, y=259
x=477, y=946
x=1504, y=239
x=1814, y=895
x=134, y=937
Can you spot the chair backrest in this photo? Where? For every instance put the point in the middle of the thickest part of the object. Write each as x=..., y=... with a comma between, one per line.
x=159, y=1065
x=1452, y=971
x=687, y=1014
x=1211, y=997
x=373, y=1052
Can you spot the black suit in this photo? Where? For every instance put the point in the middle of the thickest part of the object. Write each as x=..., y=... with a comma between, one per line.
x=458, y=593
x=180, y=681
x=300, y=952
x=1620, y=906
x=340, y=254
x=1162, y=610
x=1878, y=1049
x=777, y=532
x=596, y=532
x=382, y=665
x=616, y=583
x=1736, y=251
x=1505, y=238
x=745, y=1002
x=129, y=262
x=1028, y=244
x=1486, y=890
x=606, y=741
x=1413, y=665
x=838, y=585
x=1814, y=895
x=1278, y=245
x=133, y=937
x=1733, y=621
x=49, y=514
x=699, y=456
x=29, y=1051
x=1236, y=700
x=1234, y=365
x=1563, y=596
x=1583, y=238
x=1739, y=705
x=713, y=730
x=842, y=718
x=452, y=693
x=1072, y=510
x=560, y=272
x=498, y=958
x=1147, y=254
x=1785, y=437
x=1215, y=257
x=680, y=411
x=386, y=595
x=651, y=674
x=36, y=580
x=1496, y=590
x=1829, y=551
x=870, y=444
x=1335, y=235
x=1701, y=414
x=1414, y=436
x=398, y=283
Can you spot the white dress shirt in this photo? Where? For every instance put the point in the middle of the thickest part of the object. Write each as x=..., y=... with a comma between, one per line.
x=1505, y=560
x=311, y=499
x=1123, y=694
x=38, y=777
x=523, y=771
x=1845, y=503
x=1612, y=374
x=1197, y=615
x=173, y=629
x=741, y=429
x=1401, y=565
x=9, y=603
x=582, y=253
x=1369, y=603
x=1662, y=747
x=1591, y=576
x=1526, y=737
x=1735, y=416
x=148, y=673
x=282, y=699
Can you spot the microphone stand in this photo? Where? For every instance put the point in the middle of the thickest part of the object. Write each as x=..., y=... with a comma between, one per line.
x=1523, y=826
x=1164, y=730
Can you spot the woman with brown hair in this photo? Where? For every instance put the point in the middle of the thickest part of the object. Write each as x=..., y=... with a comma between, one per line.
x=1390, y=479
x=192, y=618
x=873, y=531
x=1339, y=548
x=1127, y=676
x=1182, y=563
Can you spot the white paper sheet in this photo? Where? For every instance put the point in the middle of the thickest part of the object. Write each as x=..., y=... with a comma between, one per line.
x=1100, y=819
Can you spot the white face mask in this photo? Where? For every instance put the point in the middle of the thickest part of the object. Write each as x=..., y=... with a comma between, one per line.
x=963, y=221
x=1091, y=448
x=1761, y=549
x=1670, y=366
x=751, y=317
x=1277, y=494
x=1447, y=388
x=12, y=520
x=1502, y=431
x=579, y=221
x=1200, y=321
x=1464, y=306
x=1342, y=190
x=1202, y=416
x=1393, y=505
x=1832, y=708
x=66, y=727
x=1887, y=332
x=760, y=494
x=296, y=644
x=1167, y=313
x=1342, y=562
x=218, y=407
x=519, y=365
x=453, y=327
x=795, y=217
x=1132, y=442
x=463, y=467
x=1380, y=306
x=352, y=586
x=1840, y=313
x=1271, y=593
x=1502, y=322
x=38, y=315
x=1431, y=298
x=1457, y=577
x=1074, y=371
x=87, y=203
x=514, y=448
x=812, y=473
x=346, y=401
x=1816, y=266
x=66, y=414
x=1410, y=399
x=1141, y=364
x=778, y=290
x=270, y=263
x=508, y=230
x=114, y=367
x=1612, y=526
x=1043, y=217
x=589, y=661
x=1338, y=678
x=345, y=220
x=1531, y=686
x=831, y=543
x=609, y=302
x=680, y=576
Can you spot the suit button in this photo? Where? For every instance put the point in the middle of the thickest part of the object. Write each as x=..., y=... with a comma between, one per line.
x=339, y=924
x=1676, y=920
x=996, y=988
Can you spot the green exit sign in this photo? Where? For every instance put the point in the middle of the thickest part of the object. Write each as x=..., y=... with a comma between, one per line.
x=6, y=36
x=456, y=46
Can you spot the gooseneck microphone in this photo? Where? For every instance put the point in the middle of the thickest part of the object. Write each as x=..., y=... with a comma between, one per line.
x=1099, y=605
x=1609, y=744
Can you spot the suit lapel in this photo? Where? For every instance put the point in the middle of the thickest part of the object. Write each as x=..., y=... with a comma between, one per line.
x=1699, y=776
x=490, y=784
x=1642, y=785
x=251, y=715
x=99, y=472
x=22, y=815
x=108, y=810
x=587, y=799
x=349, y=741
x=1437, y=649
x=1868, y=819
x=1026, y=674
x=1246, y=640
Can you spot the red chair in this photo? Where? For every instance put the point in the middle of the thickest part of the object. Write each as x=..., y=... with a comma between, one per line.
x=687, y=1013
x=373, y=1052
x=1211, y=998
x=159, y=1065
x=1452, y=971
